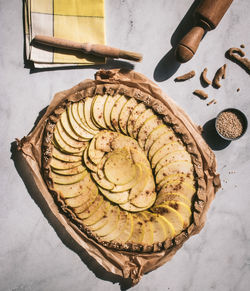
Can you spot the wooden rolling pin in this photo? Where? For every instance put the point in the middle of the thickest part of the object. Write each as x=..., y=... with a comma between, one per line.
x=207, y=16
x=88, y=48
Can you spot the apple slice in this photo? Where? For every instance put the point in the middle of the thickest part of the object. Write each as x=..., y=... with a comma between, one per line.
x=119, y=198
x=168, y=151
x=146, y=198
x=138, y=110
x=172, y=216
x=65, y=157
x=80, y=111
x=119, y=167
x=139, y=158
x=87, y=195
x=69, y=172
x=178, y=167
x=68, y=140
x=84, y=126
x=125, y=113
x=158, y=222
x=164, y=196
x=122, y=141
x=171, y=158
x=186, y=189
x=79, y=130
x=87, y=113
x=102, y=182
x=113, y=217
x=67, y=127
x=148, y=113
x=64, y=147
x=126, y=231
x=91, y=166
x=132, y=183
x=183, y=210
x=99, y=224
x=94, y=155
x=154, y=134
x=131, y=208
x=122, y=230
x=104, y=139
x=147, y=127
x=168, y=227
x=141, y=183
x=143, y=193
x=100, y=167
x=60, y=156
x=86, y=186
x=76, y=201
x=138, y=230
x=67, y=180
x=103, y=225
x=97, y=110
x=98, y=214
x=161, y=231
x=162, y=140
x=109, y=103
x=148, y=238
x=116, y=110
x=86, y=210
x=61, y=165
x=175, y=177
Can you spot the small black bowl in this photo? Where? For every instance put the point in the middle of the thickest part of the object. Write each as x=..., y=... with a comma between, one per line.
x=242, y=117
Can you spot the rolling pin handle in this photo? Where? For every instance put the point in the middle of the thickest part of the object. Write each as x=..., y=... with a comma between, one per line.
x=188, y=46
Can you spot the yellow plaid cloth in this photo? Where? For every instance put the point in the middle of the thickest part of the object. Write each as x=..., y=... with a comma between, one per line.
x=77, y=20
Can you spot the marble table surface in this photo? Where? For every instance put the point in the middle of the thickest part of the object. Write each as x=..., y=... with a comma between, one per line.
x=32, y=256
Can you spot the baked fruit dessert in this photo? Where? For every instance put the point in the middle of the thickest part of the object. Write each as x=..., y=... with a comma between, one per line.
x=124, y=172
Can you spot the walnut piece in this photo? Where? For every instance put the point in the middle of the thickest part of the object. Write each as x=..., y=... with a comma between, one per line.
x=204, y=78
x=185, y=77
x=238, y=56
x=220, y=74
x=201, y=94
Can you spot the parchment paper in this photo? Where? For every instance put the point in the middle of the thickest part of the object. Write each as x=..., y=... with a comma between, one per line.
x=125, y=264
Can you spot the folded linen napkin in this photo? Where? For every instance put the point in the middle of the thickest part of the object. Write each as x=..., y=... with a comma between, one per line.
x=77, y=20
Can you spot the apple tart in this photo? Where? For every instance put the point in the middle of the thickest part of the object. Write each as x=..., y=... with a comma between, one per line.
x=120, y=171
x=124, y=168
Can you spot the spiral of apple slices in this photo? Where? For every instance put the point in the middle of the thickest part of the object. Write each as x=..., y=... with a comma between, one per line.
x=122, y=171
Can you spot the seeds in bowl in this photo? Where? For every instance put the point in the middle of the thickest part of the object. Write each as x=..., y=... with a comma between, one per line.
x=230, y=124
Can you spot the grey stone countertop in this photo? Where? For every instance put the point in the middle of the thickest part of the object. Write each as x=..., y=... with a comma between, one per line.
x=32, y=255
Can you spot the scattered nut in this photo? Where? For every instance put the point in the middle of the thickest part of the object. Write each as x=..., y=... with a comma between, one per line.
x=237, y=56
x=185, y=77
x=238, y=89
x=213, y=101
x=201, y=94
x=242, y=46
x=220, y=74
x=204, y=78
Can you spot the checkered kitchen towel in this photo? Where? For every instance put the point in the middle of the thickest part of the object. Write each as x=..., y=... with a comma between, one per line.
x=77, y=20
